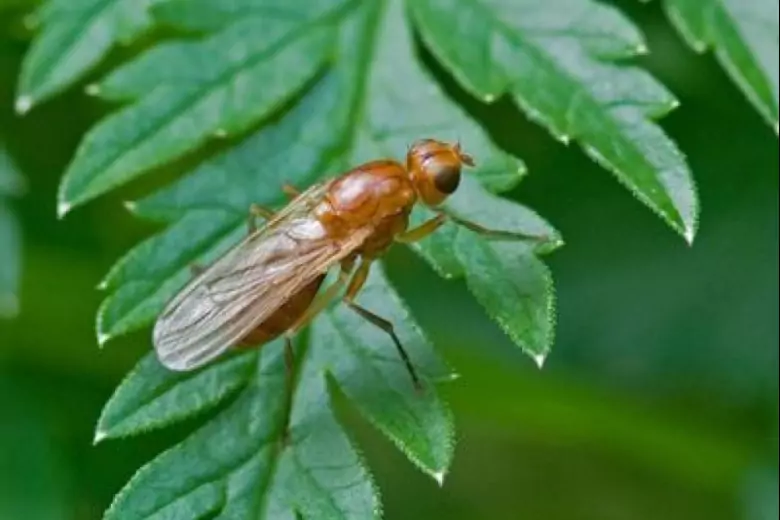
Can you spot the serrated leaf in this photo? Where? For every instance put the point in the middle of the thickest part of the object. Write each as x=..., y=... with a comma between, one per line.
x=151, y=396
x=235, y=466
x=555, y=60
x=507, y=278
x=373, y=100
x=744, y=37
x=74, y=36
x=186, y=93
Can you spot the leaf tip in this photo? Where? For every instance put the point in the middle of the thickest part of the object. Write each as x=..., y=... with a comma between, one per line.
x=100, y=436
x=63, y=207
x=93, y=89
x=439, y=477
x=641, y=49
x=24, y=104
x=130, y=205
x=540, y=359
x=102, y=338
x=689, y=235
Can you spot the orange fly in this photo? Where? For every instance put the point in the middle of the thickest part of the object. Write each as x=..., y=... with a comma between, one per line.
x=267, y=285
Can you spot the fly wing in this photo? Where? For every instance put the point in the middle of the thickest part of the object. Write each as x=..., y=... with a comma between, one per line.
x=247, y=285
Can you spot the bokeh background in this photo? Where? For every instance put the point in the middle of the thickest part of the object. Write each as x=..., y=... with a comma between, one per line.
x=660, y=400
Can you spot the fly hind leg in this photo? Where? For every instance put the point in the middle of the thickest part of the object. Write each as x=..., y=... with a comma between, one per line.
x=355, y=284
x=289, y=373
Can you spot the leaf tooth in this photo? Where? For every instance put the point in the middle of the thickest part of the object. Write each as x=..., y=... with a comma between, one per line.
x=24, y=104
x=93, y=89
x=103, y=337
x=689, y=234
x=63, y=208
x=100, y=436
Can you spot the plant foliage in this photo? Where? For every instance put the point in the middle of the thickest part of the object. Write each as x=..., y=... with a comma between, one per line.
x=295, y=92
x=744, y=36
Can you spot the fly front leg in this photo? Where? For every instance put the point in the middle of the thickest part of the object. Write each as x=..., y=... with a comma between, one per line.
x=256, y=211
x=355, y=285
x=429, y=226
x=421, y=231
x=493, y=233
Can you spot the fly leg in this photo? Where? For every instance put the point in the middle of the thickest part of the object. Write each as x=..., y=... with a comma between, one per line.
x=256, y=211
x=355, y=284
x=429, y=226
x=494, y=233
x=289, y=373
x=421, y=231
x=290, y=190
x=319, y=304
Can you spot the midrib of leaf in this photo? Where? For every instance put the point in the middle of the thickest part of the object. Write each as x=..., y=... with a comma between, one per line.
x=614, y=128
x=304, y=470
x=357, y=110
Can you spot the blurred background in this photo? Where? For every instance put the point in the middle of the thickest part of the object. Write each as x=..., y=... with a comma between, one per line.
x=659, y=401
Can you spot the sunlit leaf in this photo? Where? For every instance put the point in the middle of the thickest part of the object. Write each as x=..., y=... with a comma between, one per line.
x=187, y=93
x=557, y=61
x=305, y=91
x=744, y=37
x=236, y=466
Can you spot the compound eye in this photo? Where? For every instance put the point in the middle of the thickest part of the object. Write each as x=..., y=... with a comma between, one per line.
x=446, y=178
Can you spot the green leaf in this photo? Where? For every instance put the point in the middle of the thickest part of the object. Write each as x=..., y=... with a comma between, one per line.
x=556, y=61
x=11, y=184
x=151, y=396
x=359, y=93
x=75, y=35
x=187, y=93
x=506, y=278
x=744, y=37
x=235, y=465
